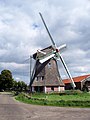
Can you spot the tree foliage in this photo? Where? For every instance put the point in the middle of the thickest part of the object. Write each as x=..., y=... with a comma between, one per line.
x=8, y=83
x=19, y=86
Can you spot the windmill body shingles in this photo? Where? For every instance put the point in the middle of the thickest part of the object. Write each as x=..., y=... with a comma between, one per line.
x=49, y=75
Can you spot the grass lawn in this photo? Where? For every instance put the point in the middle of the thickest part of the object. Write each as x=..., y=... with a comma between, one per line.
x=81, y=97
x=72, y=100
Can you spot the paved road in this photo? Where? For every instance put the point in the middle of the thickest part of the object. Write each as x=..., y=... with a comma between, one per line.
x=10, y=109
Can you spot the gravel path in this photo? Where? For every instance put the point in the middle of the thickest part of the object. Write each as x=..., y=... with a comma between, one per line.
x=10, y=109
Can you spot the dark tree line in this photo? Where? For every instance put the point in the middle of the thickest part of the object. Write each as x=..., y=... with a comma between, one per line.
x=8, y=83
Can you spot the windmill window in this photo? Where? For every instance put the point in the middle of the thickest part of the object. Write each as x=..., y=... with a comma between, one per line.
x=49, y=65
x=36, y=78
x=42, y=77
x=52, y=88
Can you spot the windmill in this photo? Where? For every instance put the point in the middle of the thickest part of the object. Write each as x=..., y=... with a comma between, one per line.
x=43, y=58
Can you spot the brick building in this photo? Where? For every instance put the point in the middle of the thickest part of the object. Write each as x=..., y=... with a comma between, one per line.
x=82, y=82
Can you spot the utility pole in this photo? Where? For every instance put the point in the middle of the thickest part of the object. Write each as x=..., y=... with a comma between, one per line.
x=30, y=68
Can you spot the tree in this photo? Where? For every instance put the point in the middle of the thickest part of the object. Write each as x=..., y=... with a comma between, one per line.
x=15, y=85
x=22, y=86
x=8, y=83
x=19, y=86
x=6, y=80
x=0, y=83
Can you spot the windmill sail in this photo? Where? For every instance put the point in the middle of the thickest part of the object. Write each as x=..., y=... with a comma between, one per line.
x=67, y=70
x=37, y=69
x=57, y=53
x=47, y=29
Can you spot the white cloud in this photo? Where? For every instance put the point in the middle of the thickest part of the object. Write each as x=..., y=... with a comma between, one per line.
x=13, y=65
x=22, y=32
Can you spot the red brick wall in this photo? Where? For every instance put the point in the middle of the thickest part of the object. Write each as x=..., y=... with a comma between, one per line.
x=55, y=89
x=48, y=89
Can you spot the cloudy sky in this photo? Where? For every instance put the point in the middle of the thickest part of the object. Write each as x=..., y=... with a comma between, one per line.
x=22, y=33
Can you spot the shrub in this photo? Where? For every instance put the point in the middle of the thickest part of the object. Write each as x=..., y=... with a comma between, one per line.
x=71, y=92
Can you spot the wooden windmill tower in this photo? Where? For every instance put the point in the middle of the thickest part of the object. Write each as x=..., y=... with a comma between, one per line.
x=45, y=76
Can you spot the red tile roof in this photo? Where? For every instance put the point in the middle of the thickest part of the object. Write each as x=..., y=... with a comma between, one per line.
x=76, y=79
